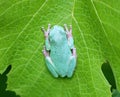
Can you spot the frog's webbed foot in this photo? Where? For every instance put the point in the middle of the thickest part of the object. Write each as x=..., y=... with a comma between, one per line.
x=68, y=31
x=46, y=32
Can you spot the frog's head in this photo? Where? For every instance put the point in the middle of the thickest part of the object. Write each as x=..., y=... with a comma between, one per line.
x=57, y=35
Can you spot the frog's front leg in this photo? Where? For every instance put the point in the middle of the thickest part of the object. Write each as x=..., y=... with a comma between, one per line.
x=46, y=34
x=69, y=36
x=49, y=63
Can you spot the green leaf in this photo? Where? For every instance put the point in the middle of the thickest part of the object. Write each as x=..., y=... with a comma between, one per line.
x=96, y=31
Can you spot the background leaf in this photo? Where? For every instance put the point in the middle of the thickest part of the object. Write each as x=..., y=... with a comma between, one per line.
x=96, y=33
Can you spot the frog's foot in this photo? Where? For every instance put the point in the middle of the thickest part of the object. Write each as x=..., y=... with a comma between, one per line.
x=45, y=52
x=46, y=32
x=68, y=32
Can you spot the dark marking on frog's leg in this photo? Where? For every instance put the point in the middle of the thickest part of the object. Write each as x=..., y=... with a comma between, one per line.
x=71, y=66
x=46, y=34
x=74, y=52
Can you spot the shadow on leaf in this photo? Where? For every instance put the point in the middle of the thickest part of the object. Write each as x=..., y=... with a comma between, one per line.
x=108, y=73
x=3, y=84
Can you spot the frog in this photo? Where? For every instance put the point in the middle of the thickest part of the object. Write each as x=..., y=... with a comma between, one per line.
x=59, y=50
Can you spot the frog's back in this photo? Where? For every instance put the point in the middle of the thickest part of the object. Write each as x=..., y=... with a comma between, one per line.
x=60, y=58
x=60, y=52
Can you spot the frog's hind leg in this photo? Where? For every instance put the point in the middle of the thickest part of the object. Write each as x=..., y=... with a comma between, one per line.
x=72, y=63
x=50, y=65
x=71, y=66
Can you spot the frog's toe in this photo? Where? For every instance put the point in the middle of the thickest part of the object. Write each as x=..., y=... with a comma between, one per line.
x=48, y=30
x=43, y=29
x=65, y=25
x=70, y=29
x=66, y=28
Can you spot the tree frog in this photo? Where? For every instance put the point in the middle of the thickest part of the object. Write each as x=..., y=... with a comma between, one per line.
x=59, y=50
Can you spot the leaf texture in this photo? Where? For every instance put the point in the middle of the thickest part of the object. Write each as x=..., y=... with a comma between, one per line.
x=96, y=33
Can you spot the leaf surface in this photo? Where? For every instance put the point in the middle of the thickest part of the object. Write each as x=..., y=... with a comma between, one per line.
x=96, y=31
